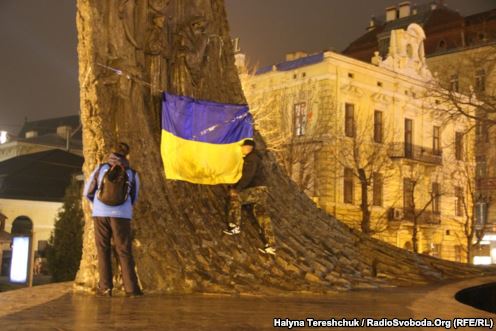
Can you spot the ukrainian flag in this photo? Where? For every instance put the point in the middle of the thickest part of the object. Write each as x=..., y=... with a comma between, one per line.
x=201, y=139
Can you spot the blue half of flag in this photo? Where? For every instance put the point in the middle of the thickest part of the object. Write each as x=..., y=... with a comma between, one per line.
x=201, y=140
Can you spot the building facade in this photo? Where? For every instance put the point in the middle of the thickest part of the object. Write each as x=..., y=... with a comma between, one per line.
x=461, y=52
x=368, y=144
x=36, y=136
x=472, y=71
x=32, y=189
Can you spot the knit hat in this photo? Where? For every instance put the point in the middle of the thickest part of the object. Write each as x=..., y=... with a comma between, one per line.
x=248, y=142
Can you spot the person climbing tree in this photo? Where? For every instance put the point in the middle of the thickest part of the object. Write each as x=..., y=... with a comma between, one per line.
x=251, y=190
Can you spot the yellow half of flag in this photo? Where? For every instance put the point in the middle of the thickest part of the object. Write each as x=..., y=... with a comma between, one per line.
x=201, y=140
x=199, y=162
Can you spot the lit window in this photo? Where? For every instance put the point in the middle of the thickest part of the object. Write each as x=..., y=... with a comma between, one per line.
x=349, y=120
x=454, y=83
x=377, y=189
x=480, y=80
x=459, y=146
x=436, y=198
x=348, y=186
x=408, y=197
x=481, y=167
x=436, y=140
x=378, y=127
x=459, y=201
x=408, y=138
x=300, y=118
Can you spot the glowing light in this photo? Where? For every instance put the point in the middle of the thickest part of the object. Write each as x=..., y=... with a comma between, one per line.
x=482, y=260
x=20, y=260
x=3, y=137
x=493, y=254
x=491, y=237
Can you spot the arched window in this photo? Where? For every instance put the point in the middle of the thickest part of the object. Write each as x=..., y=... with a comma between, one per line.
x=22, y=225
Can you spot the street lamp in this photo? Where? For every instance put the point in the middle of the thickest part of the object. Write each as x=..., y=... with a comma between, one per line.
x=4, y=137
x=19, y=268
x=21, y=265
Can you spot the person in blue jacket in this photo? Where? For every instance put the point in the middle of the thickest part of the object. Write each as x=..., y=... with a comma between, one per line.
x=113, y=189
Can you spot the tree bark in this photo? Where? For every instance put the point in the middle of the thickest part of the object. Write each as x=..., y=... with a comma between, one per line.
x=179, y=246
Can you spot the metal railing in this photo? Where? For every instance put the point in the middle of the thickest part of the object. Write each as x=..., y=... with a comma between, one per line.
x=415, y=152
x=486, y=183
x=407, y=214
x=425, y=217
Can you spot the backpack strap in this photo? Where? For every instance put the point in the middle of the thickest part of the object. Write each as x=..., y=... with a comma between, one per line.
x=132, y=184
x=94, y=183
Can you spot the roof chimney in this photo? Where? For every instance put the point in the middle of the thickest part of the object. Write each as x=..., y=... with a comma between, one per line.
x=236, y=45
x=295, y=55
x=404, y=9
x=31, y=134
x=391, y=13
x=63, y=131
x=371, y=24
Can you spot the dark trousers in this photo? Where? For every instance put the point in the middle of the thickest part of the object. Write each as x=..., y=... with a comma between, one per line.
x=256, y=196
x=120, y=230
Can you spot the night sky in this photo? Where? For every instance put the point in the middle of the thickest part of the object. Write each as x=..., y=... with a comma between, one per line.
x=38, y=59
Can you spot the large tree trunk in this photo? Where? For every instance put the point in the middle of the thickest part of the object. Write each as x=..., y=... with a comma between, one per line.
x=179, y=245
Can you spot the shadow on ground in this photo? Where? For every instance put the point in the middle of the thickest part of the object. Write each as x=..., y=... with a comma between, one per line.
x=481, y=297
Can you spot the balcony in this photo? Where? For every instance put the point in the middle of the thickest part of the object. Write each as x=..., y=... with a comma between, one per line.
x=427, y=217
x=423, y=154
x=486, y=183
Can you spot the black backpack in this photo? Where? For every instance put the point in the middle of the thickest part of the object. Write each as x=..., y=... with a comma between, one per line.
x=116, y=186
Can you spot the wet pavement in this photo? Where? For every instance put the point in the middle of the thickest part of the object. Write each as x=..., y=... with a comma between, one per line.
x=211, y=312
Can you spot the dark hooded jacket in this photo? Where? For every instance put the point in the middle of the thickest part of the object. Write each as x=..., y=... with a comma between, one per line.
x=253, y=174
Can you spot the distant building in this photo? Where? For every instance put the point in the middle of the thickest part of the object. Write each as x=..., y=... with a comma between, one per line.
x=446, y=29
x=461, y=52
x=35, y=136
x=331, y=118
x=32, y=188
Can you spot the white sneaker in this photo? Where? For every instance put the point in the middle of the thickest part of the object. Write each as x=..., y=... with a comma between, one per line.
x=232, y=231
x=268, y=250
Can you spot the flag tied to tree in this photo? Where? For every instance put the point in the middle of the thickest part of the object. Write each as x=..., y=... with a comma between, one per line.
x=201, y=139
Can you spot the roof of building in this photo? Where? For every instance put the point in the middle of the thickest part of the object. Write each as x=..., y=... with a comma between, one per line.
x=293, y=64
x=443, y=26
x=53, y=140
x=42, y=176
x=50, y=125
x=481, y=17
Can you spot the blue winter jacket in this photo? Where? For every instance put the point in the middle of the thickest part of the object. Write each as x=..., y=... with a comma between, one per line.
x=102, y=210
